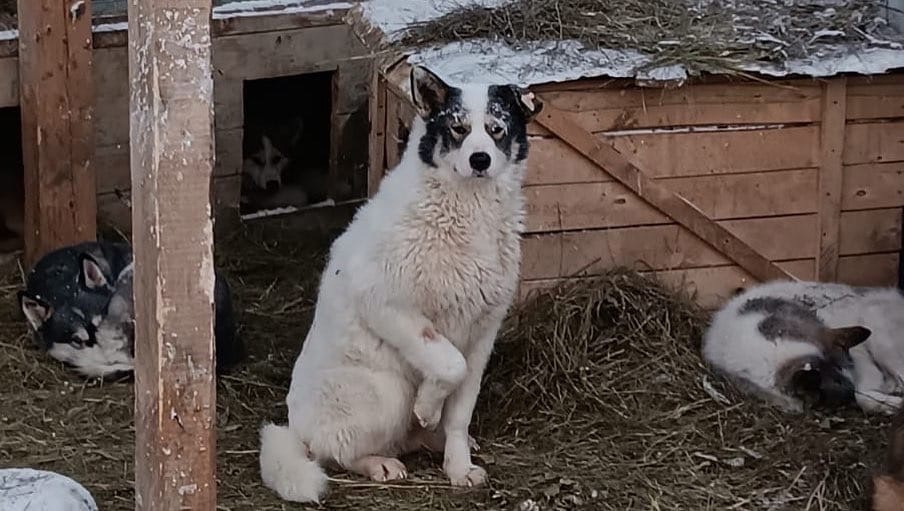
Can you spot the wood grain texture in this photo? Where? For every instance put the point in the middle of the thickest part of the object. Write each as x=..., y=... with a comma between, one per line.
x=57, y=100
x=671, y=204
x=831, y=175
x=172, y=142
x=376, y=145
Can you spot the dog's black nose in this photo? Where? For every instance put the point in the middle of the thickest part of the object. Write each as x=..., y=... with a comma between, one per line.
x=480, y=161
x=272, y=186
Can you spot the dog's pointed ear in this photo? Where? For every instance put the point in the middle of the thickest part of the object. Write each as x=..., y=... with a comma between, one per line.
x=846, y=338
x=428, y=91
x=528, y=102
x=91, y=276
x=36, y=311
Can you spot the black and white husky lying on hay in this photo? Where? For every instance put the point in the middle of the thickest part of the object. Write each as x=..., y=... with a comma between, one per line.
x=797, y=342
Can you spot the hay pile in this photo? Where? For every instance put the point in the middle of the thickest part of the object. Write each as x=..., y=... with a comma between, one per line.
x=702, y=35
x=595, y=399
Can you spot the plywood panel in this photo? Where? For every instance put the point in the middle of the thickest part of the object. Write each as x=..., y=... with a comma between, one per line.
x=593, y=205
x=671, y=246
x=287, y=53
x=712, y=286
x=874, y=143
x=229, y=103
x=681, y=154
x=111, y=76
x=877, y=185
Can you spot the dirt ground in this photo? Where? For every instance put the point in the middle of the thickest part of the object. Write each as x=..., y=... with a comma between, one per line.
x=595, y=399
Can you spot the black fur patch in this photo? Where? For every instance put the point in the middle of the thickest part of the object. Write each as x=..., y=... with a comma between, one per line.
x=785, y=318
x=504, y=105
x=439, y=128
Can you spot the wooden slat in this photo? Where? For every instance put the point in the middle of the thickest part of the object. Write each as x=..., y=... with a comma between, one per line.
x=175, y=390
x=113, y=161
x=596, y=205
x=878, y=97
x=9, y=82
x=606, y=109
x=671, y=246
x=376, y=140
x=874, y=143
x=229, y=103
x=673, y=205
x=682, y=154
x=392, y=129
x=831, y=174
x=878, y=185
x=289, y=52
x=713, y=285
x=57, y=96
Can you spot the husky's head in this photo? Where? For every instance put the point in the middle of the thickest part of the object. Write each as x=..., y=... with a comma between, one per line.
x=269, y=153
x=813, y=360
x=477, y=131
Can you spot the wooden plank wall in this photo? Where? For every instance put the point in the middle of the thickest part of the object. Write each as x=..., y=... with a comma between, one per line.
x=291, y=49
x=747, y=154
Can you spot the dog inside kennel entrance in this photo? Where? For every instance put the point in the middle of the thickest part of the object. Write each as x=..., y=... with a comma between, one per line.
x=286, y=142
x=12, y=188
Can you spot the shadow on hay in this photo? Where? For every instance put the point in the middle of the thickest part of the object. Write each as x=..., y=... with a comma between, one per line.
x=595, y=398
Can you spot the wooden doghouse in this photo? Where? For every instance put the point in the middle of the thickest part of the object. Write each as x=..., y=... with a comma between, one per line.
x=252, y=40
x=713, y=184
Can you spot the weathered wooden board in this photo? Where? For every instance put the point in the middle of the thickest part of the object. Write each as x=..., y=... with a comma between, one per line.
x=114, y=160
x=56, y=76
x=637, y=107
x=876, y=97
x=595, y=205
x=682, y=154
x=670, y=246
x=714, y=285
x=831, y=172
x=376, y=140
x=288, y=52
x=175, y=387
x=9, y=82
x=874, y=142
x=877, y=185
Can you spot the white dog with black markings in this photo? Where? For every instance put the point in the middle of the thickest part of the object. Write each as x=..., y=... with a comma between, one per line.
x=411, y=299
x=833, y=344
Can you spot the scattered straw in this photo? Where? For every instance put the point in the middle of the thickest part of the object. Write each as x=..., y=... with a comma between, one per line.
x=703, y=35
x=595, y=399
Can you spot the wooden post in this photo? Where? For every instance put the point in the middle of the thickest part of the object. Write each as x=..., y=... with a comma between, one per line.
x=377, y=140
x=57, y=101
x=831, y=170
x=172, y=156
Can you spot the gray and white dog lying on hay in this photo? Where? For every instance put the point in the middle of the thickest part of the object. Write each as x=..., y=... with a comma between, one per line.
x=411, y=300
x=78, y=303
x=797, y=342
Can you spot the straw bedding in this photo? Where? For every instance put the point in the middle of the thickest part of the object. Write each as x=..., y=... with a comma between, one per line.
x=596, y=398
x=702, y=35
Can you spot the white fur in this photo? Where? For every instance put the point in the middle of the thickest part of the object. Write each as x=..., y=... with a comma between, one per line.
x=734, y=344
x=433, y=254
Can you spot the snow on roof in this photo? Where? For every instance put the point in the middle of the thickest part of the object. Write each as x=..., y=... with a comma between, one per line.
x=528, y=63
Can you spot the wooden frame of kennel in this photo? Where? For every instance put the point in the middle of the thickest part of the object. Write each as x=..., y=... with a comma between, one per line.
x=813, y=171
x=297, y=37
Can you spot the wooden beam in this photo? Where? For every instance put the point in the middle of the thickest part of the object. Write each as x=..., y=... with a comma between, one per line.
x=678, y=208
x=57, y=101
x=376, y=141
x=171, y=140
x=831, y=169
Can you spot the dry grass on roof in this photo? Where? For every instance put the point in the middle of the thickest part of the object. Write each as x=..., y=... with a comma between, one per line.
x=595, y=399
x=703, y=35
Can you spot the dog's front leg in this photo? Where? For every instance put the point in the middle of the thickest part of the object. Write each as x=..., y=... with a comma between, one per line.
x=440, y=363
x=460, y=407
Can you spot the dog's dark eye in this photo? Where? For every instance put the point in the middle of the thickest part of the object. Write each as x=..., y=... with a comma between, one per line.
x=258, y=161
x=459, y=130
x=76, y=343
x=496, y=130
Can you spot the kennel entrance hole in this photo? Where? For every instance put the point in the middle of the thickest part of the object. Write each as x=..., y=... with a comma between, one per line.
x=275, y=108
x=12, y=187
